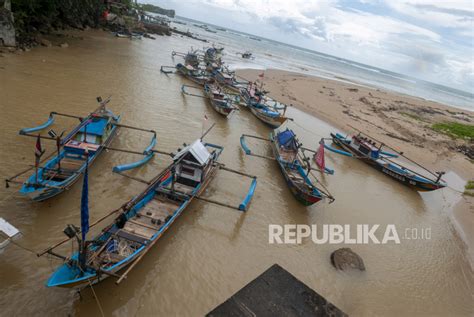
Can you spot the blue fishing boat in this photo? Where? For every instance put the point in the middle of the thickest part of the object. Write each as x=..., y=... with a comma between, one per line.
x=141, y=222
x=213, y=55
x=264, y=108
x=295, y=167
x=194, y=74
x=95, y=132
x=227, y=80
x=371, y=152
x=217, y=97
x=80, y=147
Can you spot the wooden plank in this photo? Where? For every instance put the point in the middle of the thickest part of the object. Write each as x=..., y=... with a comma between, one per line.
x=183, y=188
x=145, y=222
x=139, y=230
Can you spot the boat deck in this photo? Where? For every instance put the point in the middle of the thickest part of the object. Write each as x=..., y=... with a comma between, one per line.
x=69, y=167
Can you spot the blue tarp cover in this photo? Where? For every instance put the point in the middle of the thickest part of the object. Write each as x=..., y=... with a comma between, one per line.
x=286, y=137
x=96, y=127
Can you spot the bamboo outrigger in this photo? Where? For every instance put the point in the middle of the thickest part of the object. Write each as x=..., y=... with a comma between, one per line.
x=141, y=221
x=217, y=97
x=62, y=169
x=294, y=165
x=370, y=151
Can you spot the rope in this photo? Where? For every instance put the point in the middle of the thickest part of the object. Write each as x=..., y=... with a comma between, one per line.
x=96, y=299
x=309, y=131
x=458, y=191
x=93, y=292
x=22, y=247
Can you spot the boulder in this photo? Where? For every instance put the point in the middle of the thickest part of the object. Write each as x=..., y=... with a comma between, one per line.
x=64, y=45
x=7, y=29
x=345, y=258
x=45, y=42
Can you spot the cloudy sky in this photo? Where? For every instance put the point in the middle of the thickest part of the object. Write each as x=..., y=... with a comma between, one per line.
x=432, y=40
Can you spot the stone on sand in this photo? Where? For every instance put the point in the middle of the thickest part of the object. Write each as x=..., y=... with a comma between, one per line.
x=345, y=258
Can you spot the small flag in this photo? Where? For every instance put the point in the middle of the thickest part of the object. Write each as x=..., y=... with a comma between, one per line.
x=38, y=149
x=319, y=156
x=85, y=201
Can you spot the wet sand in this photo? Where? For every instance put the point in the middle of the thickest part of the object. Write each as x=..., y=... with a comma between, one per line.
x=398, y=120
x=210, y=252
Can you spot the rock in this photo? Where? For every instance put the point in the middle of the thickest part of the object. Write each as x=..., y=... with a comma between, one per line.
x=345, y=258
x=7, y=28
x=353, y=89
x=365, y=101
x=64, y=45
x=45, y=42
x=467, y=150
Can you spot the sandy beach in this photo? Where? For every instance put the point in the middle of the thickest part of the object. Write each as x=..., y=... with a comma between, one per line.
x=402, y=121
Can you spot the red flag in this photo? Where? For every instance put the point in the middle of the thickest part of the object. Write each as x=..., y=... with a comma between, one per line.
x=38, y=150
x=319, y=156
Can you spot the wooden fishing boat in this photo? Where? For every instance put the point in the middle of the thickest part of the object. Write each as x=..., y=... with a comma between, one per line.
x=264, y=108
x=78, y=149
x=193, y=74
x=192, y=58
x=143, y=220
x=228, y=80
x=220, y=101
x=246, y=55
x=213, y=55
x=95, y=132
x=371, y=152
x=217, y=98
x=295, y=167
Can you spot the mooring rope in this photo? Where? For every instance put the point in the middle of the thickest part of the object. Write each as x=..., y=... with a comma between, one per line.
x=94, y=293
x=309, y=131
x=22, y=247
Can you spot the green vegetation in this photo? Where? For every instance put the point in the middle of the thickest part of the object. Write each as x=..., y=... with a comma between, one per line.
x=469, y=188
x=33, y=16
x=469, y=185
x=156, y=9
x=468, y=193
x=455, y=130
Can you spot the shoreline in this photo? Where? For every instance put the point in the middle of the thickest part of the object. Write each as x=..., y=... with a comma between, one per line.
x=397, y=119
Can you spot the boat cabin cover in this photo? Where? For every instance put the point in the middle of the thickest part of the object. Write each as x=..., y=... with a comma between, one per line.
x=193, y=165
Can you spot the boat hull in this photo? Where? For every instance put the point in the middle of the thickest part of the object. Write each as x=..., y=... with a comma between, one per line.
x=303, y=197
x=43, y=193
x=69, y=275
x=415, y=183
x=273, y=122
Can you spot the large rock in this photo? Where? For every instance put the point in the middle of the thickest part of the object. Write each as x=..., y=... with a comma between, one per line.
x=345, y=258
x=7, y=29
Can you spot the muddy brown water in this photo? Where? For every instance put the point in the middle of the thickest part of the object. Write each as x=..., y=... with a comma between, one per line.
x=211, y=251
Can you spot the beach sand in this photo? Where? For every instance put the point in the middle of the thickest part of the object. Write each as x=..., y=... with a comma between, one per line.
x=402, y=121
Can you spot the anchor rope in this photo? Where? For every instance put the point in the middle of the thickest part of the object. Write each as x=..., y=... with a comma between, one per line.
x=22, y=247
x=94, y=293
